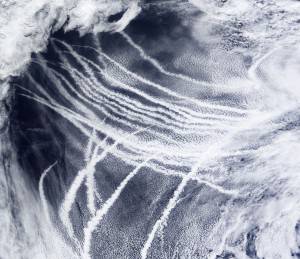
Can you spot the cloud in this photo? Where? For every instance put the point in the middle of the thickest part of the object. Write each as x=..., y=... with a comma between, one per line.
x=25, y=26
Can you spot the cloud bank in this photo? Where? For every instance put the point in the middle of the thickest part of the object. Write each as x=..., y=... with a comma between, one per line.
x=25, y=26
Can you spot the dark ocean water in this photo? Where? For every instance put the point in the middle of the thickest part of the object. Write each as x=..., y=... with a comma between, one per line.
x=43, y=136
x=160, y=141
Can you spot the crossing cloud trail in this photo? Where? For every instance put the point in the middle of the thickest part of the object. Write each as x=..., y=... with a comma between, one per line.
x=150, y=129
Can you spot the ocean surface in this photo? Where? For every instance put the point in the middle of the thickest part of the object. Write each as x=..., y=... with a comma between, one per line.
x=149, y=129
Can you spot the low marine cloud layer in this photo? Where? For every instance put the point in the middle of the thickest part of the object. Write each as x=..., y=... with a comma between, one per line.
x=263, y=24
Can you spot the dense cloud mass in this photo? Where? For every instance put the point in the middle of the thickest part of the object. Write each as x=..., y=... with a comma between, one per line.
x=25, y=26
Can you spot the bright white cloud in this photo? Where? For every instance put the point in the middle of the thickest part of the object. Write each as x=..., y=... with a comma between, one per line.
x=26, y=25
